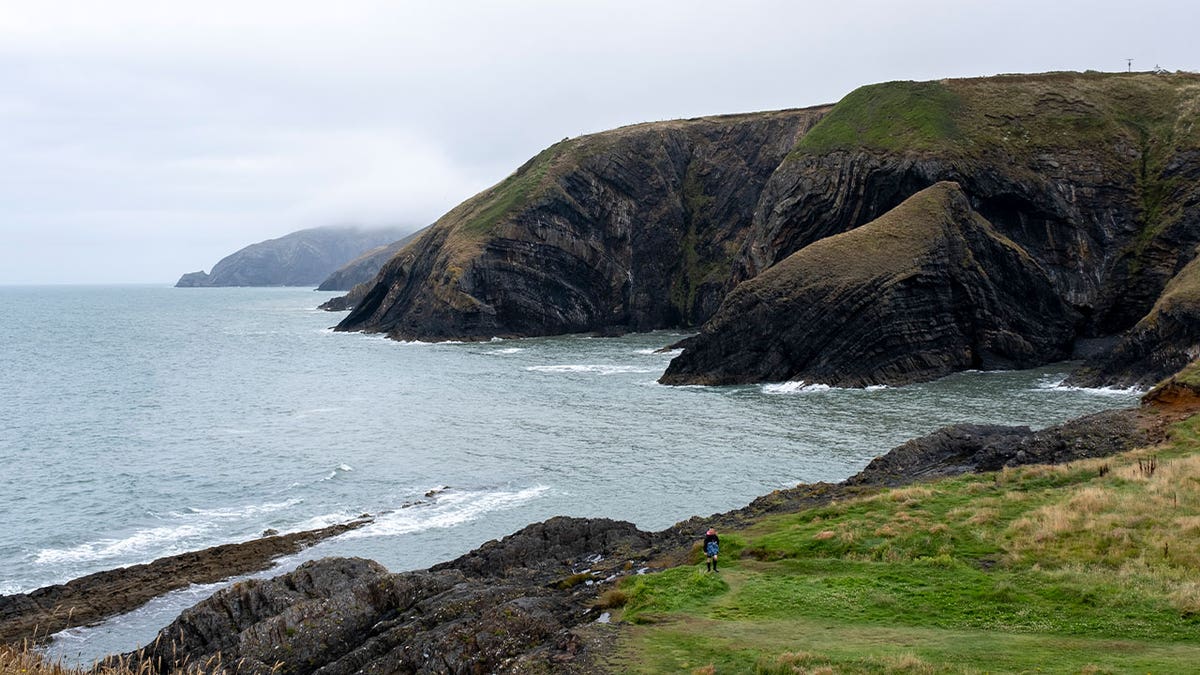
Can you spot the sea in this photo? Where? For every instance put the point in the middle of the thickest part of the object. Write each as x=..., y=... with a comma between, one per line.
x=142, y=421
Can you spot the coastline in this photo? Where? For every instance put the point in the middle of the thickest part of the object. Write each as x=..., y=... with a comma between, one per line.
x=563, y=566
x=90, y=599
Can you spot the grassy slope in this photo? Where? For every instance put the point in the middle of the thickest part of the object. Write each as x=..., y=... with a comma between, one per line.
x=1086, y=567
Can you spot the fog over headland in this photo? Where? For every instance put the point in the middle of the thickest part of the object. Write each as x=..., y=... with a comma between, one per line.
x=146, y=139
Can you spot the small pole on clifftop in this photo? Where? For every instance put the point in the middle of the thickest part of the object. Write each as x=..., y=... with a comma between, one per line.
x=1129, y=65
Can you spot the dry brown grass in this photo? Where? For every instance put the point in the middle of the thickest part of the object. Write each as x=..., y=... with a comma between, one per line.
x=1145, y=508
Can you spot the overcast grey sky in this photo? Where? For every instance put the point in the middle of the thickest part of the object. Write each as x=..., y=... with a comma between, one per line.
x=147, y=139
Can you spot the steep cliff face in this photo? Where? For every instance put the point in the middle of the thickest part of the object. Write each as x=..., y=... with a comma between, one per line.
x=1094, y=177
x=1162, y=343
x=927, y=289
x=301, y=258
x=635, y=228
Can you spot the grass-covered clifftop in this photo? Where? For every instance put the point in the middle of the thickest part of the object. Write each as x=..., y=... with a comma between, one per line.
x=1087, y=567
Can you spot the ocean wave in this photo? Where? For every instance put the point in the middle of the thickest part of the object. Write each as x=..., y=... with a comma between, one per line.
x=508, y=350
x=237, y=512
x=1055, y=383
x=192, y=527
x=340, y=468
x=449, y=509
x=140, y=542
x=794, y=387
x=596, y=369
x=658, y=351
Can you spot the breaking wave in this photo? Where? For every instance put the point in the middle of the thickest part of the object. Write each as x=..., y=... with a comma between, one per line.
x=794, y=387
x=450, y=508
x=594, y=369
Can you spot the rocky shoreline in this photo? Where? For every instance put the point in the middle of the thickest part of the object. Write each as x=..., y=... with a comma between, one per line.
x=529, y=602
x=88, y=600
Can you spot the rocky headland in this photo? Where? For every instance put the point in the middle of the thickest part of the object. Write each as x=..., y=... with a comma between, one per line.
x=303, y=258
x=1085, y=186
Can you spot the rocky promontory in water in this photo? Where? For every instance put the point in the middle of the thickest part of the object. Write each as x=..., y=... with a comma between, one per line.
x=95, y=597
x=1086, y=186
x=303, y=258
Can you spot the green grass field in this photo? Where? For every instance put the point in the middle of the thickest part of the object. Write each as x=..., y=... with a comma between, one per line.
x=1090, y=567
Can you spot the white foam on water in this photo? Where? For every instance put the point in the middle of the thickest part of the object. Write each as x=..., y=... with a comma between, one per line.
x=1055, y=383
x=152, y=542
x=10, y=588
x=237, y=512
x=450, y=509
x=592, y=369
x=316, y=411
x=340, y=468
x=141, y=541
x=794, y=387
x=875, y=387
x=659, y=352
x=508, y=350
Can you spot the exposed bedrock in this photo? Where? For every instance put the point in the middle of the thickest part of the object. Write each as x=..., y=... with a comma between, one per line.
x=1162, y=343
x=927, y=289
x=528, y=602
x=1095, y=177
x=95, y=597
x=511, y=602
x=630, y=229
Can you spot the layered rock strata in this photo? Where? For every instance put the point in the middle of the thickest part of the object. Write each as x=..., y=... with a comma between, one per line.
x=630, y=229
x=95, y=597
x=1094, y=176
x=927, y=289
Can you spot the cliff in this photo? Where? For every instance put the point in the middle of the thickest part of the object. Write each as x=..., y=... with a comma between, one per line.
x=630, y=229
x=1093, y=178
x=302, y=258
x=925, y=290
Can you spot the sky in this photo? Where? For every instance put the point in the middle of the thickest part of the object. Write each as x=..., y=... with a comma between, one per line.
x=145, y=139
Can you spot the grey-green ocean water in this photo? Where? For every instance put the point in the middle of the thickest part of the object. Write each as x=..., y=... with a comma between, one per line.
x=137, y=422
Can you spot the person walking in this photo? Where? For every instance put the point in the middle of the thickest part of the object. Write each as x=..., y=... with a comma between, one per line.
x=712, y=545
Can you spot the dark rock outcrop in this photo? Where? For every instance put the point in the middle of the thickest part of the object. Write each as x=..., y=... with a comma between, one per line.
x=512, y=604
x=1095, y=177
x=630, y=229
x=95, y=597
x=1092, y=176
x=974, y=448
x=927, y=289
x=1162, y=343
x=302, y=258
